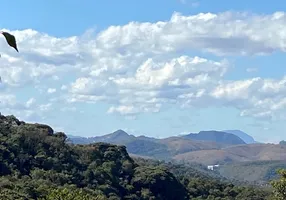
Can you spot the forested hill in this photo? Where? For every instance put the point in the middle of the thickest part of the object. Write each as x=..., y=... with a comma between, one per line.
x=37, y=163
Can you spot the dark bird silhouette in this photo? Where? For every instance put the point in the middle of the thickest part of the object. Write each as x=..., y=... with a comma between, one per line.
x=11, y=40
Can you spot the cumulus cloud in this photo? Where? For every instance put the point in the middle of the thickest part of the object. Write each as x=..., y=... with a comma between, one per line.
x=261, y=98
x=27, y=110
x=222, y=34
x=139, y=67
x=152, y=84
x=51, y=90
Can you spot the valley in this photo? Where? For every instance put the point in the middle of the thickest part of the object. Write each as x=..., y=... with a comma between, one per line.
x=204, y=148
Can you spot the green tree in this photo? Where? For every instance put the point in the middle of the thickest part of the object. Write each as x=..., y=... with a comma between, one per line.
x=66, y=194
x=279, y=186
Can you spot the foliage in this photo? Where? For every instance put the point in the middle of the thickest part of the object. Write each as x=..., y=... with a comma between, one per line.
x=38, y=163
x=258, y=172
x=72, y=194
x=208, y=185
x=279, y=186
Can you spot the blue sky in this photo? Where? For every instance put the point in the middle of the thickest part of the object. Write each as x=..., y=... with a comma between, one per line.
x=91, y=68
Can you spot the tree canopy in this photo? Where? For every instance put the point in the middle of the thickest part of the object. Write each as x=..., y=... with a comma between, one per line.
x=279, y=185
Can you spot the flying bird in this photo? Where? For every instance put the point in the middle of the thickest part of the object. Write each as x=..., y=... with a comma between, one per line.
x=10, y=40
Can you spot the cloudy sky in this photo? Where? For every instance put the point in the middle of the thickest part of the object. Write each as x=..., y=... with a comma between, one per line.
x=158, y=68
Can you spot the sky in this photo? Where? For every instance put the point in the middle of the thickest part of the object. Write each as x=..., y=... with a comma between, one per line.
x=159, y=68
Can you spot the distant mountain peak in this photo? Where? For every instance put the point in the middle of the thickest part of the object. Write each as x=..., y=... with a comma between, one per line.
x=120, y=132
x=216, y=136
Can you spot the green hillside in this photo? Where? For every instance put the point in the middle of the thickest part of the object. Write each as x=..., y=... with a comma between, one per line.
x=256, y=172
x=37, y=163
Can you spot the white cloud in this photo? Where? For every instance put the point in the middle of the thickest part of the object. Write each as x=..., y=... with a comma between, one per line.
x=123, y=109
x=251, y=69
x=192, y=3
x=261, y=98
x=139, y=67
x=131, y=110
x=51, y=90
x=45, y=107
x=68, y=109
x=56, y=78
x=152, y=84
x=30, y=102
x=28, y=111
x=64, y=87
x=10, y=101
x=224, y=33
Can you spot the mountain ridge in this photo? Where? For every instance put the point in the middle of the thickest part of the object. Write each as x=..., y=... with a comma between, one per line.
x=216, y=136
x=130, y=136
x=244, y=136
x=217, y=147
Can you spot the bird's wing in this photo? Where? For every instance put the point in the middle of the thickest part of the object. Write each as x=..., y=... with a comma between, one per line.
x=10, y=39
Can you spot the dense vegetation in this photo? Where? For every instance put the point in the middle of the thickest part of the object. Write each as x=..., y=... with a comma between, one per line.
x=257, y=172
x=37, y=163
x=279, y=186
x=207, y=184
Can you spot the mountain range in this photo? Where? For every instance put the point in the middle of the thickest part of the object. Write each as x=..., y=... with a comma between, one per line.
x=205, y=147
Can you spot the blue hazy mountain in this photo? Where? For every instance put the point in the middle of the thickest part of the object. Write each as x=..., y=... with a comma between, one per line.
x=244, y=136
x=216, y=136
